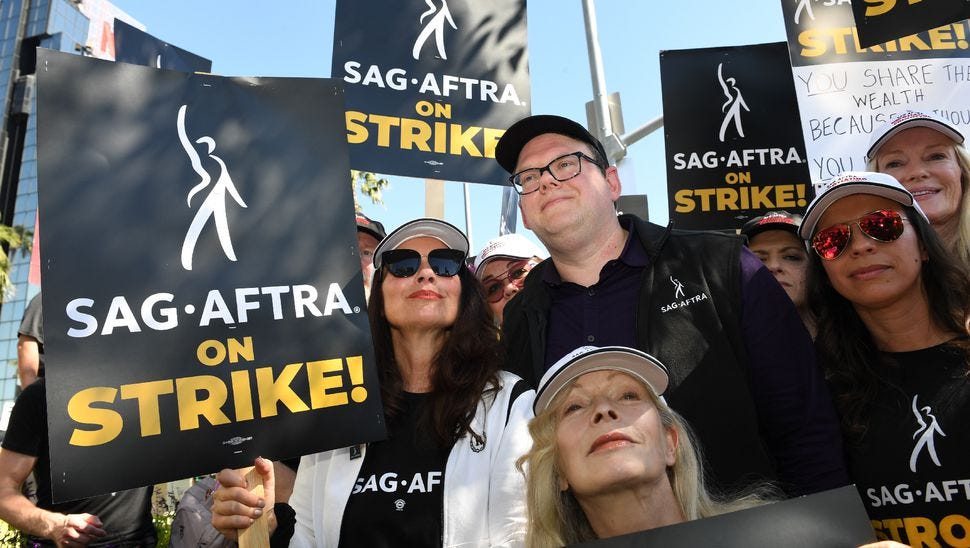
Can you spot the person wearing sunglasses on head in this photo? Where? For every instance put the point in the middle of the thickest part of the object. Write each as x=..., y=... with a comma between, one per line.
x=502, y=266
x=773, y=237
x=926, y=154
x=446, y=474
x=893, y=312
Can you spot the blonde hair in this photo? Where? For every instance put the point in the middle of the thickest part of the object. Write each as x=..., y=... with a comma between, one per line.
x=961, y=245
x=555, y=517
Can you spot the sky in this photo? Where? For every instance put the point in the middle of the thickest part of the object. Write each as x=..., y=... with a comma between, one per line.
x=295, y=37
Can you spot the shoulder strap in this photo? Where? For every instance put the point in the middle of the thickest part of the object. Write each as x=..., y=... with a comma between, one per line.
x=518, y=389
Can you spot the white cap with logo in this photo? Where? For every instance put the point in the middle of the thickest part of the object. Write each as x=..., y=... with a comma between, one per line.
x=847, y=184
x=508, y=246
x=906, y=120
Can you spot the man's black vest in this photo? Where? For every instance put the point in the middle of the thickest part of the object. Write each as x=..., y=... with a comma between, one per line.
x=688, y=316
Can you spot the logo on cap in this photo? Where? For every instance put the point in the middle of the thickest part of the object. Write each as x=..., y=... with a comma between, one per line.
x=775, y=218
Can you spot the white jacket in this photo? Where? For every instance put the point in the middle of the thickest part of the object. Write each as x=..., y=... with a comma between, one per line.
x=484, y=493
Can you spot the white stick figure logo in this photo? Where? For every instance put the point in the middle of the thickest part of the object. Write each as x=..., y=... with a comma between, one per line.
x=803, y=6
x=924, y=435
x=214, y=205
x=732, y=107
x=678, y=287
x=436, y=26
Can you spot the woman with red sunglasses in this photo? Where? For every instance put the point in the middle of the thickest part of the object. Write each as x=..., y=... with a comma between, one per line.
x=893, y=313
x=456, y=424
x=502, y=266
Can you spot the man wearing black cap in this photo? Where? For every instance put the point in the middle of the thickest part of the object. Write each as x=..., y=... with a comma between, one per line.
x=742, y=367
x=369, y=234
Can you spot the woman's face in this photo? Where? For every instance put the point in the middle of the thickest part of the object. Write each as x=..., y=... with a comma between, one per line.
x=502, y=279
x=784, y=255
x=924, y=161
x=869, y=273
x=610, y=436
x=424, y=300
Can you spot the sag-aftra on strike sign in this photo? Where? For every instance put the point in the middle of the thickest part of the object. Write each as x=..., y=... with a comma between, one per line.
x=203, y=301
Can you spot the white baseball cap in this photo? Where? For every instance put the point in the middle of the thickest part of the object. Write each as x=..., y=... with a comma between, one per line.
x=906, y=120
x=440, y=230
x=847, y=184
x=638, y=364
x=508, y=246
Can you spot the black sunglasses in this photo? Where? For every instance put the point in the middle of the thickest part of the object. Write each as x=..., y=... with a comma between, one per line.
x=404, y=263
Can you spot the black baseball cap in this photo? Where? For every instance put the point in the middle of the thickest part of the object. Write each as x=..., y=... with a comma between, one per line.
x=370, y=226
x=774, y=220
x=515, y=138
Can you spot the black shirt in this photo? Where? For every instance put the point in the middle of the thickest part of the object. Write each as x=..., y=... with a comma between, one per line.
x=398, y=497
x=126, y=515
x=912, y=466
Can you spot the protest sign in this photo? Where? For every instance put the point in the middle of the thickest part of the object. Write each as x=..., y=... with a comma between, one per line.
x=203, y=300
x=879, y=21
x=140, y=48
x=830, y=519
x=733, y=141
x=431, y=89
x=845, y=90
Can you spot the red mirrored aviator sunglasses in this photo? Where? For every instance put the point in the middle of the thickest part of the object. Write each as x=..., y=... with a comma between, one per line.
x=495, y=287
x=883, y=225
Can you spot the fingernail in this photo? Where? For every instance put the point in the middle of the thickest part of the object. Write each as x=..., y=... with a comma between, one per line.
x=258, y=512
x=261, y=503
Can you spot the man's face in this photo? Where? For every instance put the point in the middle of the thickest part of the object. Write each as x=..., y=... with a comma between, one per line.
x=367, y=245
x=581, y=203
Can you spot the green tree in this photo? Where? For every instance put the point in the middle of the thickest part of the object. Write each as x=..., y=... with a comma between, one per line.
x=369, y=185
x=11, y=238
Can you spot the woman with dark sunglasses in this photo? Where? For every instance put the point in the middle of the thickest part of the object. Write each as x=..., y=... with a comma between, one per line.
x=446, y=474
x=502, y=266
x=893, y=319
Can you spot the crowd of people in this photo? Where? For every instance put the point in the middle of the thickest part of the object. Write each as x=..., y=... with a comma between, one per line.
x=640, y=376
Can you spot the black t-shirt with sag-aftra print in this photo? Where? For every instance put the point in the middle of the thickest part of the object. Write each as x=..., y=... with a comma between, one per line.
x=397, y=499
x=912, y=466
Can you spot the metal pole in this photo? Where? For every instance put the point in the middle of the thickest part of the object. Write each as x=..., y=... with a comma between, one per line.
x=643, y=131
x=596, y=71
x=468, y=217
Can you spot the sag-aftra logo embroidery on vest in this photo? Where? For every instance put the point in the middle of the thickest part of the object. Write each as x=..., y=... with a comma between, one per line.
x=680, y=298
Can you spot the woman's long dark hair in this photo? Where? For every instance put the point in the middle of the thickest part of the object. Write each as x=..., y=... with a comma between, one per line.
x=846, y=350
x=465, y=369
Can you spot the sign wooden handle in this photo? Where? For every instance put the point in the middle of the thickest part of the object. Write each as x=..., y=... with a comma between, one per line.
x=257, y=534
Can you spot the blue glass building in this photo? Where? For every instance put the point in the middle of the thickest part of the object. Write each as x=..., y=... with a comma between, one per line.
x=26, y=25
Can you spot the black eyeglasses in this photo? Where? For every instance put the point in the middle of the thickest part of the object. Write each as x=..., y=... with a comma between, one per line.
x=404, y=263
x=562, y=169
x=883, y=225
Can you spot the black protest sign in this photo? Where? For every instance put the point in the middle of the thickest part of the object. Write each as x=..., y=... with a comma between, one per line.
x=203, y=301
x=821, y=33
x=140, y=48
x=830, y=519
x=431, y=85
x=733, y=139
x=879, y=21
x=846, y=91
